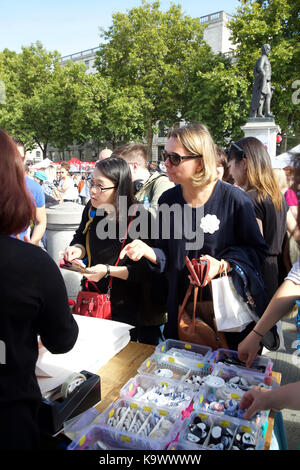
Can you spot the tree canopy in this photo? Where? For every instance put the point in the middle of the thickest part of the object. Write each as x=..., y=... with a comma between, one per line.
x=153, y=66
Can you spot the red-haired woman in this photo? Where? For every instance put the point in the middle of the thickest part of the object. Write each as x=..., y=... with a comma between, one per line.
x=33, y=302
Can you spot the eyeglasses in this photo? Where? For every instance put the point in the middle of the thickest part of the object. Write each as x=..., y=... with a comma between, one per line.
x=174, y=158
x=92, y=184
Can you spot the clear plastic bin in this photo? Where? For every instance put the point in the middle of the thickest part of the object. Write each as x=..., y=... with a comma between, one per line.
x=164, y=367
x=245, y=379
x=229, y=429
x=222, y=401
x=74, y=427
x=248, y=437
x=94, y=438
x=160, y=392
x=262, y=364
x=171, y=345
x=190, y=355
x=131, y=425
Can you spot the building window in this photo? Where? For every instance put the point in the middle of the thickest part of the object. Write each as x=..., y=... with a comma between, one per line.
x=161, y=129
x=160, y=148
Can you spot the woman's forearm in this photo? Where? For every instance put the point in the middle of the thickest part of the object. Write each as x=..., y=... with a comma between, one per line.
x=121, y=272
x=280, y=305
x=285, y=397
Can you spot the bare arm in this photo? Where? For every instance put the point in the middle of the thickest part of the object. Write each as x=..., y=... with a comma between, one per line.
x=258, y=399
x=292, y=226
x=282, y=302
x=99, y=271
x=40, y=225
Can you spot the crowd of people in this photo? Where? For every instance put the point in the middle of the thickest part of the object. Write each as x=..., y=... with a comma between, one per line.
x=224, y=207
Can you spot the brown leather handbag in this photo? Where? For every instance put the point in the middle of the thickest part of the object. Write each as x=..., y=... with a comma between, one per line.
x=196, y=321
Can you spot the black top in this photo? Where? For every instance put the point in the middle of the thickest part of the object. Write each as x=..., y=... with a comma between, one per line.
x=33, y=302
x=274, y=230
x=229, y=231
x=273, y=222
x=125, y=295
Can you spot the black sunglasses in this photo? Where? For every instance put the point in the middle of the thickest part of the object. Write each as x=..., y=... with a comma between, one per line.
x=174, y=158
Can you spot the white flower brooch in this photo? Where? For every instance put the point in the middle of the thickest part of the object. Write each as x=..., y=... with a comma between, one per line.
x=210, y=223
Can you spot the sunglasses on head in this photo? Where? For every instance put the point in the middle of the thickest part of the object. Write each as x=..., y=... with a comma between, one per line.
x=236, y=149
x=174, y=158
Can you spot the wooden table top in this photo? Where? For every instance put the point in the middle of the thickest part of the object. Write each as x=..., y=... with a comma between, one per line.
x=120, y=369
x=116, y=373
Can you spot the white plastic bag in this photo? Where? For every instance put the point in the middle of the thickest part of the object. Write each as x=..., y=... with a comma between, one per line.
x=231, y=311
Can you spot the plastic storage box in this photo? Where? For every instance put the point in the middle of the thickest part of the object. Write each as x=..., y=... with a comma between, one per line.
x=129, y=424
x=165, y=367
x=191, y=355
x=172, y=346
x=223, y=401
x=262, y=365
x=75, y=427
x=160, y=392
x=233, y=434
x=245, y=379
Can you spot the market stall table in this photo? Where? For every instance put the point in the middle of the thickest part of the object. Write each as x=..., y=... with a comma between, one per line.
x=124, y=365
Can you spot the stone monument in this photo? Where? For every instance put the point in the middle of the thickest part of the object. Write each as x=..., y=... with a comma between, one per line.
x=261, y=123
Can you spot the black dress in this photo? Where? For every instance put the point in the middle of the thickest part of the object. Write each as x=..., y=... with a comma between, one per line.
x=274, y=230
x=33, y=302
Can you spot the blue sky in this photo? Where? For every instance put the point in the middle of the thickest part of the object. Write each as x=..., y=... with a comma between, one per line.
x=71, y=26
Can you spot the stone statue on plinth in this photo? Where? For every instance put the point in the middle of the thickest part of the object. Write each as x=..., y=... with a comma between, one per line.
x=262, y=90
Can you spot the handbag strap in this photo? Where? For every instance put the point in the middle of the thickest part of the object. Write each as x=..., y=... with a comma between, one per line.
x=87, y=231
x=203, y=280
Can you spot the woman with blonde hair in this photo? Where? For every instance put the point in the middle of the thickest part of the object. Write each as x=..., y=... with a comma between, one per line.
x=207, y=217
x=281, y=179
x=250, y=166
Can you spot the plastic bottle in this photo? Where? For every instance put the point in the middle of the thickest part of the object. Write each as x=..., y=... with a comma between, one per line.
x=146, y=202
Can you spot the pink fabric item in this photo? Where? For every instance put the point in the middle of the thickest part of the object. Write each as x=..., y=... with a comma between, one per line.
x=291, y=198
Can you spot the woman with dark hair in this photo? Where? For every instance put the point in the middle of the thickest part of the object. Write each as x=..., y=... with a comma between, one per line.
x=222, y=166
x=251, y=168
x=98, y=239
x=66, y=186
x=33, y=302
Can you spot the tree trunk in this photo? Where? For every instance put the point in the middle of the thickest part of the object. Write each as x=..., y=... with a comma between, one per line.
x=45, y=151
x=149, y=141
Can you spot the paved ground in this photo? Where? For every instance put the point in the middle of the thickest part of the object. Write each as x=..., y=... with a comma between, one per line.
x=288, y=364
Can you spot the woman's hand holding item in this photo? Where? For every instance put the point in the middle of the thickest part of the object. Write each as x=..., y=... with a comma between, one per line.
x=73, y=252
x=255, y=400
x=136, y=250
x=249, y=347
x=97, y=272
x=215, y=266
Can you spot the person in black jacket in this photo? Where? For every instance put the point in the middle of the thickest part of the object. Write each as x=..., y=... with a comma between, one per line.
x=210, y=218
x=105, y=225
x=33, y=303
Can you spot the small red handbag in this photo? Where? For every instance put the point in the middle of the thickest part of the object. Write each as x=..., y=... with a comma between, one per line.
x=93, y=304
x=96, y=304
